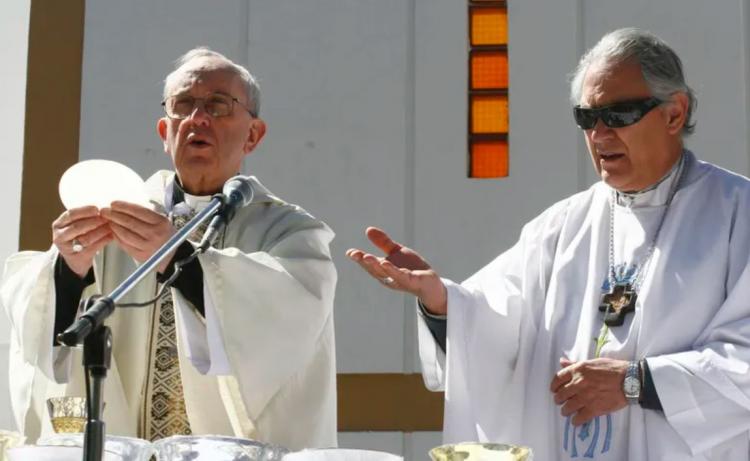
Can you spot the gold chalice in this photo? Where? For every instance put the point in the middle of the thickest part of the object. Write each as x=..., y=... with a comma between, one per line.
x=476, y=451
x=68, y=414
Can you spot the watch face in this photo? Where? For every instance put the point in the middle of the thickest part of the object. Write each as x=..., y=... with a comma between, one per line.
x=631, y=386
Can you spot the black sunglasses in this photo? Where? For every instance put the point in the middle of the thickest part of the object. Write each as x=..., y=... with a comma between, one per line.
x=615, y=115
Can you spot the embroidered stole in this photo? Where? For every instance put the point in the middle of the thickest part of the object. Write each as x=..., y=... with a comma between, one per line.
x=164, y=413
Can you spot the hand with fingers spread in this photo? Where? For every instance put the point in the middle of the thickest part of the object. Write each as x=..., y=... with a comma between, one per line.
x=139, y=231
x=589, y=388
x=78, y=234
x=402, y=269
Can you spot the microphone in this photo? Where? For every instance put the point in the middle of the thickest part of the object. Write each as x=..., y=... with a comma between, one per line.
x=237, y=193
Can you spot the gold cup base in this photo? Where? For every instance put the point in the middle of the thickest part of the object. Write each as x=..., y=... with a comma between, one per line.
x=68, y=424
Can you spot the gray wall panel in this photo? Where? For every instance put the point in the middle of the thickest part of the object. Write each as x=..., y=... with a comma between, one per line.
x=129, y=47
x=334, y=95
x=463, y=223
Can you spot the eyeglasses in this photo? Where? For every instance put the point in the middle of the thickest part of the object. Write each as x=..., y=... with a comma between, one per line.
x=615, y=115
x=216, y=105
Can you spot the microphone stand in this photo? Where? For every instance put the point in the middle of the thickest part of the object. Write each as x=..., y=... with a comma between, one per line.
x=97, y=338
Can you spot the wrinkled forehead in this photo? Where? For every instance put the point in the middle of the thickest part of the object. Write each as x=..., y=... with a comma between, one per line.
x=608, y=82
x=203, y=76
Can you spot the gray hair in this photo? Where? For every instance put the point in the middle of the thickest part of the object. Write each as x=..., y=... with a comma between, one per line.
x=660, y=66
x=252, y=89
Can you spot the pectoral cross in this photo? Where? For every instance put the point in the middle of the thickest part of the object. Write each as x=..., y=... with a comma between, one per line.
x=617, y=304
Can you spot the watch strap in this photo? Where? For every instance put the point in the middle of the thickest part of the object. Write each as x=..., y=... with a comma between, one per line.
x=633, y=382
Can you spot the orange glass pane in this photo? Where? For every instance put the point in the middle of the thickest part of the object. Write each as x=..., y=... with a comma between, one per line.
x=489, y=114
x=489, y=26
x=489, y=70
x=489, y=159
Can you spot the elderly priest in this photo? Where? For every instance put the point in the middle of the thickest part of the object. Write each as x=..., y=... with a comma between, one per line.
x=618, y=327
x=243, y=345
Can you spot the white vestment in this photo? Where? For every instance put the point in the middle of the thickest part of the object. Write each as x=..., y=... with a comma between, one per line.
x=511, y=322
x=260, y=365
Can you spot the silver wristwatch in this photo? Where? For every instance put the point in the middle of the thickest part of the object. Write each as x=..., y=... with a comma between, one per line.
x=631, y=386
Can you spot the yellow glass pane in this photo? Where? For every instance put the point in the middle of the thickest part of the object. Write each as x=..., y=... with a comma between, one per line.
x=489, y=159
x=489, y=26
x=489, y=114
x=489, y=70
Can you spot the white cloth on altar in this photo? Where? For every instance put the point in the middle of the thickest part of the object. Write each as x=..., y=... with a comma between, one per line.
x=511, y=322
x=260, y=365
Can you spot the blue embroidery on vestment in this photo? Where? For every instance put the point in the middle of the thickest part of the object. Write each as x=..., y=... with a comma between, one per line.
x=584, y=436
x=608, y=437
x=624, y=273
x=592, y=446
x=573, y=440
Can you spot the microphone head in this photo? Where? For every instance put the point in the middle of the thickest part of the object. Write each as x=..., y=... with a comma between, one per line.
x=238, y=191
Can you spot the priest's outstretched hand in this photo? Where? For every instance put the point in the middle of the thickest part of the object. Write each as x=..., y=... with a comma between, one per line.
x=589, y=388
x=402, y=269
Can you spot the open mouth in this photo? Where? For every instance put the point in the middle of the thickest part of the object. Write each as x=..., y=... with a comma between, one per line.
x=198, y=143
x=610, y=156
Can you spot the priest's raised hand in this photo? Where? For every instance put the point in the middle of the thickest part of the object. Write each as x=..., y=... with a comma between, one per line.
x=402, y=269
x=139, y=231
x=78, y=234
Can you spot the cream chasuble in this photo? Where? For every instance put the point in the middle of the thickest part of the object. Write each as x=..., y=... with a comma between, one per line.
x=511, y=322
x=271, y=280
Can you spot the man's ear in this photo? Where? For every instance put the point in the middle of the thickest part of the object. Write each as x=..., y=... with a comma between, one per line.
x=676, y=111
x=161, y=128
x=255, y=133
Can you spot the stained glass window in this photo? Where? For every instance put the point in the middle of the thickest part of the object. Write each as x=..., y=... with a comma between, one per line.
x=488, y=89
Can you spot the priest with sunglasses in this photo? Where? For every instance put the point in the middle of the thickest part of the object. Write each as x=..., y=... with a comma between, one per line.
x=618, y=327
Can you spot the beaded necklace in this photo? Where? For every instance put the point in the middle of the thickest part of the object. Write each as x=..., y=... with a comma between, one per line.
x=621, y=298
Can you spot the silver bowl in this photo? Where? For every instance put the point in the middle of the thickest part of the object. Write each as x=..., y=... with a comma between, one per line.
x=340, y=454
x=215, y=448
x=125, y=448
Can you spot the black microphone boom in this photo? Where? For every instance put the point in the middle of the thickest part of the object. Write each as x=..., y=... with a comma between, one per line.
x=237, y=193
